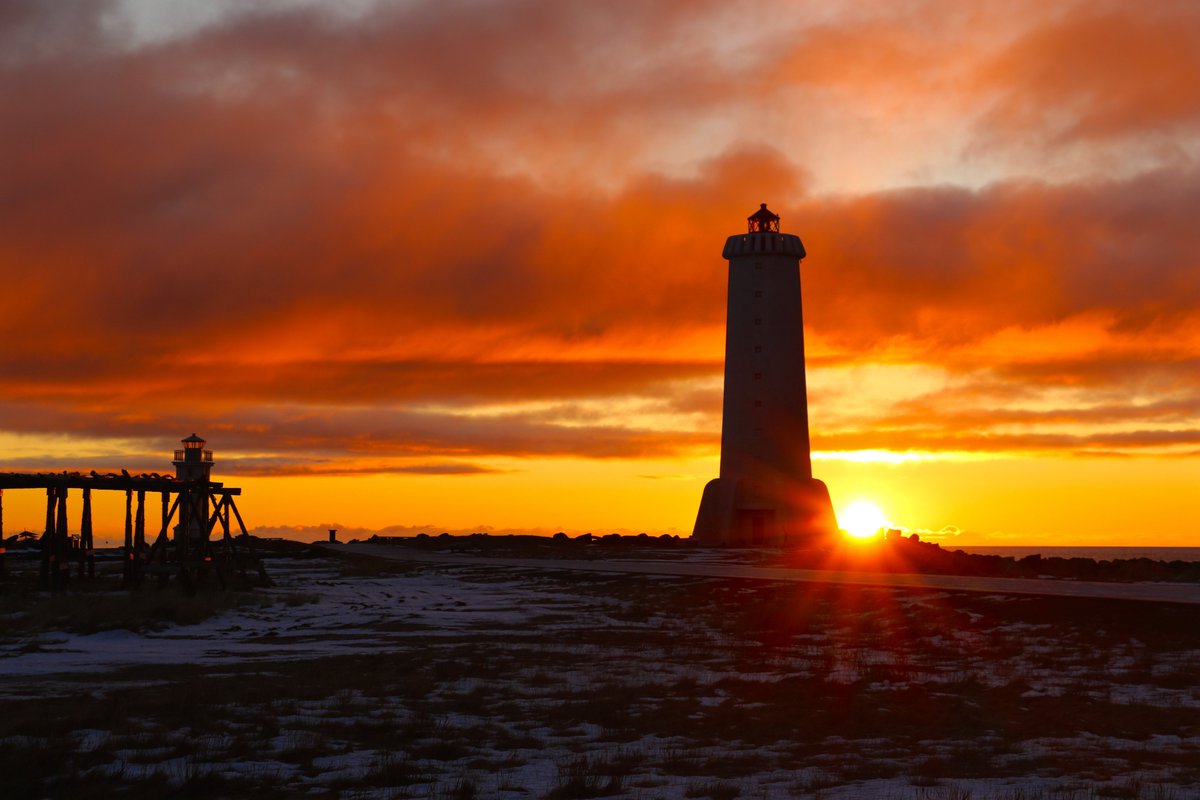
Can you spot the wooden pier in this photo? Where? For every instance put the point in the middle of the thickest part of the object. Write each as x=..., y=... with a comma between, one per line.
x=189, y=551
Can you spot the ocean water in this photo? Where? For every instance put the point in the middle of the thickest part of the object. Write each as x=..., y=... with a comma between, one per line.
x=1095, y=553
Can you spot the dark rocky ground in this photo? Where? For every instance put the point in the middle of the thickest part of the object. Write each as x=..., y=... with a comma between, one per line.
x=356, y=678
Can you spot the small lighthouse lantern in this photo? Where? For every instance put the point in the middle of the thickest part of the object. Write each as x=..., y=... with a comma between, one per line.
x=193, y=462
x=763, y=220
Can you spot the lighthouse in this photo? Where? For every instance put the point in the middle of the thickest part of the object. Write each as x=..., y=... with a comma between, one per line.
x=193, y=462
x=766, y=492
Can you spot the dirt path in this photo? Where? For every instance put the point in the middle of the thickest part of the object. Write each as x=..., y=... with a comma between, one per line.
x=1184, y=593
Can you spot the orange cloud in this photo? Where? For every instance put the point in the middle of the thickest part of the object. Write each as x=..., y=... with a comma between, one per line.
x=343, y=238
x=1109, y=70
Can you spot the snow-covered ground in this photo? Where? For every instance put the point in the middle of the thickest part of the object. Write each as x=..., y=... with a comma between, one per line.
x=344, y=619
x=506, y=681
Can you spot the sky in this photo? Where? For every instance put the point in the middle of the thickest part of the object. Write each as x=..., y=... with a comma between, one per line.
x=457, y=265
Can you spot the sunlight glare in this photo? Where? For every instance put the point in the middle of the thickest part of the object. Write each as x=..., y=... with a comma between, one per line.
x=861, y=519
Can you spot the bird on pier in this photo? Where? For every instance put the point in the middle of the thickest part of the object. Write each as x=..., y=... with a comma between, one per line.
x=94, y=474
x=125, y=473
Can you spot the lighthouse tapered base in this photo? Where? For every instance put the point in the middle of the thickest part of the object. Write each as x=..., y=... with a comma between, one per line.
x=734, y=511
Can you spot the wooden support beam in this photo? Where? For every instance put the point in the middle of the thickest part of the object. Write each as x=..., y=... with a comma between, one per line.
x=209, y=520
x=262, y=570
x=62, y=545
x=110, y=482
x=206, y=522
x=127, y=553
x=228, y=552
x=162, y=550
x=160, y=541
x=51, y=500
x=224, y=511
x=170, y=514
x=47, y=540
x=181, y=531
x=139, y=537
x=87, y=552
x=215, y=517
x=236, y=513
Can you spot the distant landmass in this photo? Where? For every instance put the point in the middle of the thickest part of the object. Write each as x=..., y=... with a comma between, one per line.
x=1095, y=553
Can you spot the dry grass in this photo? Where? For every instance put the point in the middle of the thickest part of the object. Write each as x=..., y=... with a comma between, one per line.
x=688, y=686
x=153, y=608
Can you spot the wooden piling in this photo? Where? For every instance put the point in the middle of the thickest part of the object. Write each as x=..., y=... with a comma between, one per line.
x=181, y=530
x=47, y=540
x=62, y=545
x=139, y=538
x=226, y=539
x=127, y=552
x=87, y=551
x=166, y=513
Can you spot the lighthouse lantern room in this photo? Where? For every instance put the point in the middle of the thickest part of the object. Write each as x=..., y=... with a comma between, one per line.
x=193, y=462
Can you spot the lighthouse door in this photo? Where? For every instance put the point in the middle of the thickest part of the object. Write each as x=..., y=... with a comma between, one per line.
x=755, y=526
x=758, y=530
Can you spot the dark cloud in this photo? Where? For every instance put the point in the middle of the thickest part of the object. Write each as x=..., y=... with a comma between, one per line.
x=947, y=266
x=329, y=236
x=315, y=436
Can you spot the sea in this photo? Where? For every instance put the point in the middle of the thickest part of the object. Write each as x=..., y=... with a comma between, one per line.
x=1094, y=553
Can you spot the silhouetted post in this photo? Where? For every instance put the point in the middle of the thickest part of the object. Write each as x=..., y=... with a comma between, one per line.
x=87, y=552
x=3, y=549
x=226, y=537
x=51, y=499
x=62, y=545
x=181, y=530
x=166, y=514
x=262, y=570
x=127, y=566
x=47, y=541
x=139, y=540
x=49, y=551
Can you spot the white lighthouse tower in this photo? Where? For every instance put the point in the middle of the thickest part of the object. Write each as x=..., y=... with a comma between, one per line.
x=766, y=492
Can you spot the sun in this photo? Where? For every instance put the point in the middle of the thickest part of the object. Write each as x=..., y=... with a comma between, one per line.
x=861, y=519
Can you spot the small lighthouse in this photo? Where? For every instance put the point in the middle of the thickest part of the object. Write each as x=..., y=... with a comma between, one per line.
x=766, y=492
x=193, y=462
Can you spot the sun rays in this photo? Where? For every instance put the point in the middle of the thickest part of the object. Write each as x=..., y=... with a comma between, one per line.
x=862, y=519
